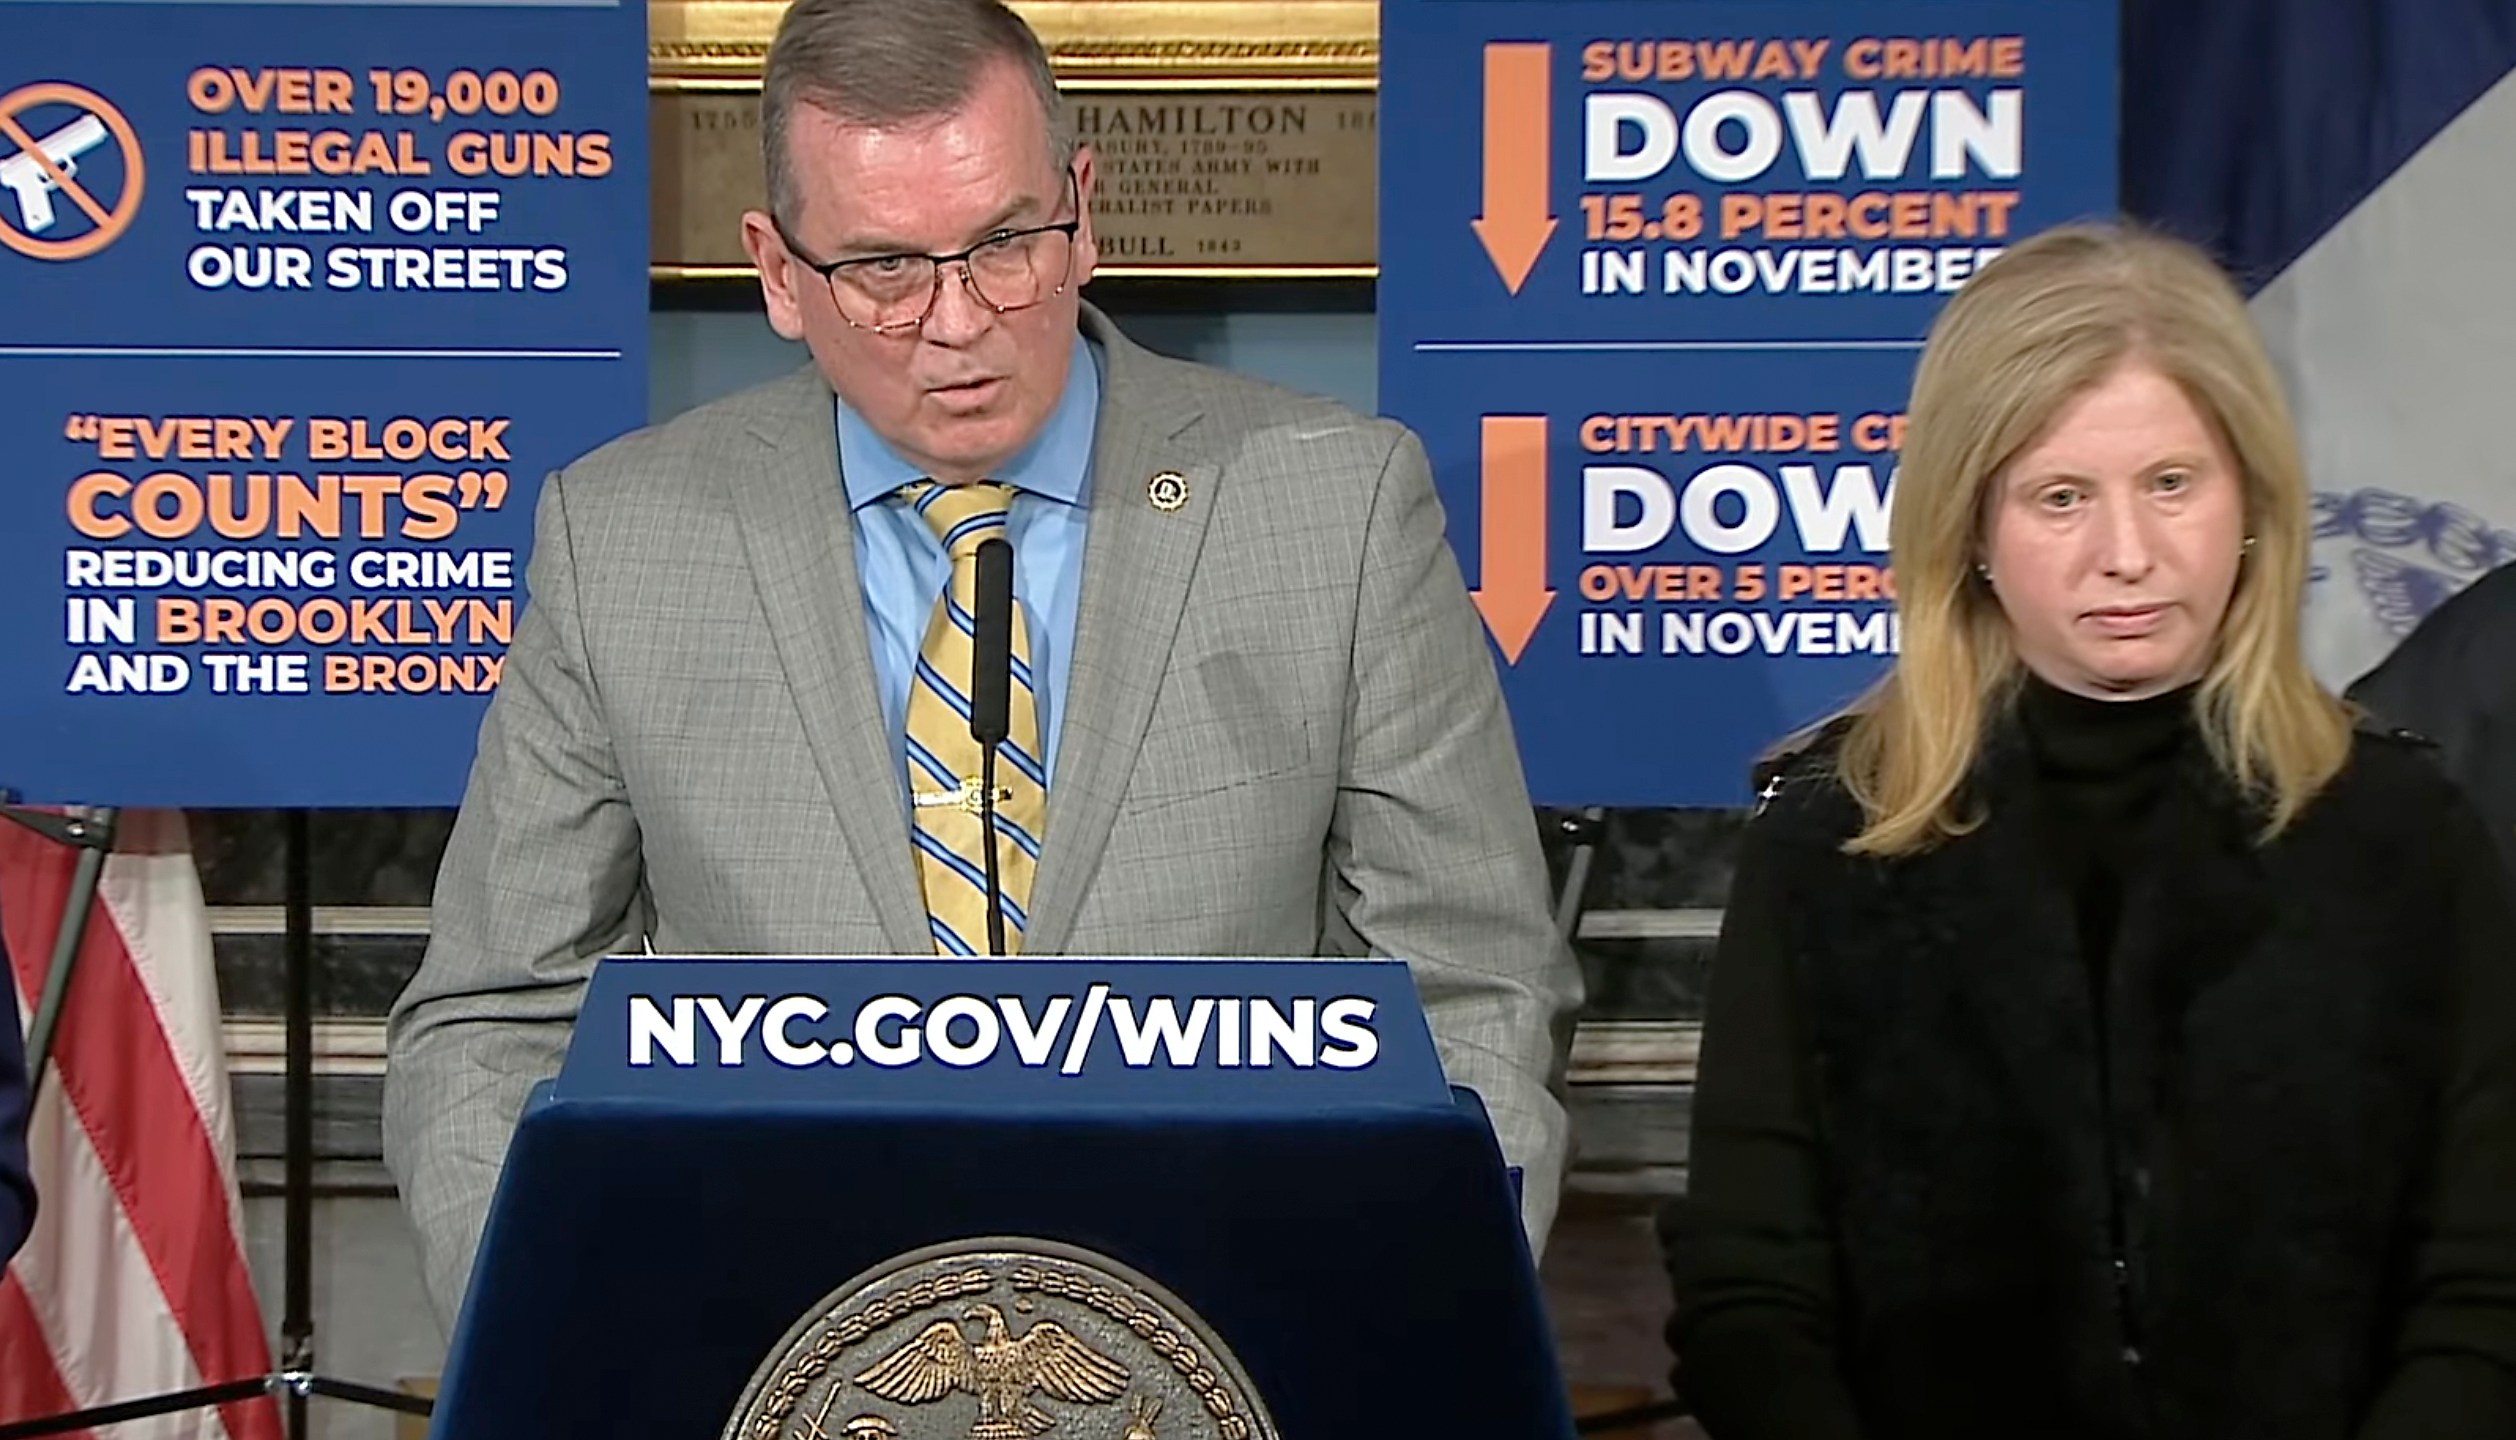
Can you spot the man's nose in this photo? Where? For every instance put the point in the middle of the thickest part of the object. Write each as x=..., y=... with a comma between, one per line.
x=958, y=314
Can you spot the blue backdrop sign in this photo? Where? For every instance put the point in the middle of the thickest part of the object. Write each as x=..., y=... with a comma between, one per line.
x=1655, y=313
x=302, y=302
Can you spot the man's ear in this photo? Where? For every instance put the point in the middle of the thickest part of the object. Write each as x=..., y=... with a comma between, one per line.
x=1087, y=243
x=780, y=274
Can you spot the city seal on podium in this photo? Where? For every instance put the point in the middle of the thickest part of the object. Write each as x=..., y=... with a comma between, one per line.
x=1002, y=1338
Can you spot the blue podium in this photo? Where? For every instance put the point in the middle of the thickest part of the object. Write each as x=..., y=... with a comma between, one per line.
x=1134, y=1199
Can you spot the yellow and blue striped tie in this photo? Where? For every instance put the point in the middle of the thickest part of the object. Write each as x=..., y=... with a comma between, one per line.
x=945, y=823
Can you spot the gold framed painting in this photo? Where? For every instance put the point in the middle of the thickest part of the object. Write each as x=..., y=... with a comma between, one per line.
x=1235, y=140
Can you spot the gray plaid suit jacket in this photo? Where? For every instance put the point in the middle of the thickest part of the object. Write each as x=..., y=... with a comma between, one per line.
x=1283, y=736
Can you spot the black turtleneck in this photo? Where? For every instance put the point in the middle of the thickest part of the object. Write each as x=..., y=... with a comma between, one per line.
x=2101, y=766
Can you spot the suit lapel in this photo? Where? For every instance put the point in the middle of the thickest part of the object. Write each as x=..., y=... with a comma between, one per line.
x=801, y=540
x=1137, y=566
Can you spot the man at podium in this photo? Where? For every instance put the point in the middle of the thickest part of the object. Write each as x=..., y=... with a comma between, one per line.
x=1235, y=700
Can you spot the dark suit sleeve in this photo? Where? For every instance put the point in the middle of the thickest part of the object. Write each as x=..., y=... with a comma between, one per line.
x=2454, y=1374
x=17, y=1187
x=1749, y=1248
x=2453, y=680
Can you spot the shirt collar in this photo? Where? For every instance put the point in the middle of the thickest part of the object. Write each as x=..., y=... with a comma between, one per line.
x=1053, y=466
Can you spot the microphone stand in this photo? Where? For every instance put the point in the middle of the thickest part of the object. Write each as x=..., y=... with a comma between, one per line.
x=987, y=821
x=991, y=686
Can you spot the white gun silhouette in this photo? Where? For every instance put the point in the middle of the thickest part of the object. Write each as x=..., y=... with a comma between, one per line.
x=24, y=176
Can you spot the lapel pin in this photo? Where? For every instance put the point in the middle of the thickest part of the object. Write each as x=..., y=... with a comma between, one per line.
x=1168, y=491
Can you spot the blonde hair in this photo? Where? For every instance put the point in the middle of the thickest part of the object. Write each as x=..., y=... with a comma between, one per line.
x=2031, y=332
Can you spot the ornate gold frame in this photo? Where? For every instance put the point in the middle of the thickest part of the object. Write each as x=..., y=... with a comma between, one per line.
x=1311, y=46
x=1231, y=41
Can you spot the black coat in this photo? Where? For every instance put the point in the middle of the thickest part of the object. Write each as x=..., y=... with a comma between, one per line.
x=17, y=1189
x=2266, y=1189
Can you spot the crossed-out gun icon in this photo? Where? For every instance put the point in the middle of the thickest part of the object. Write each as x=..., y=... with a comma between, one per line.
x=25, y=177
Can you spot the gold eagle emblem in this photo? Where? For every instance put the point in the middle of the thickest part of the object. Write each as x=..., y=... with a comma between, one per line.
x=1002, y=1370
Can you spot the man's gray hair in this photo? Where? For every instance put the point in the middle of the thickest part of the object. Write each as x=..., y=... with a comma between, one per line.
x=891, y=62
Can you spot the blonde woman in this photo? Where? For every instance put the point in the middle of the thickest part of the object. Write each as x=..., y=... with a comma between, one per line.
x=2108, y=1037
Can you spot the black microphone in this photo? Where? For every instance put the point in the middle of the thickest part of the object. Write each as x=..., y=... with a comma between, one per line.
x=991, y=700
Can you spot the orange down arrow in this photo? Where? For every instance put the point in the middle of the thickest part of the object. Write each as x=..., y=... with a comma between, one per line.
x=1511, y=564
x=1514, y=226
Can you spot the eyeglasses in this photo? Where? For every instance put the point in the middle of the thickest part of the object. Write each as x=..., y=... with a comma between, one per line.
x=893, y=294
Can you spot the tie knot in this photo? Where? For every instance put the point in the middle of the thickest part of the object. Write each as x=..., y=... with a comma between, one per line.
x=961, y=515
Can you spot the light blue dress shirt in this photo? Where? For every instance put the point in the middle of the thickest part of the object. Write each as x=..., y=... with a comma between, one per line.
x=903, y=567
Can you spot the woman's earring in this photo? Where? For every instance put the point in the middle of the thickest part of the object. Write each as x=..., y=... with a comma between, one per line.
x=2248, y=547
x=1983, y=571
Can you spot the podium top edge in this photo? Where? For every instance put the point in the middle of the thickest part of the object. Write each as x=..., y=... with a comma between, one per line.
x=1379, y=962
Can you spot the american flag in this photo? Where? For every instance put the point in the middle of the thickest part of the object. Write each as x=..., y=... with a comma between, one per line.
x=134, y=1281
